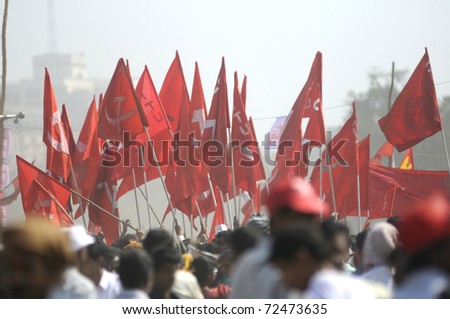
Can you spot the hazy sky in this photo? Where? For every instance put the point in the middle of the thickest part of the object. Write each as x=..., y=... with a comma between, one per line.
x=272, y=42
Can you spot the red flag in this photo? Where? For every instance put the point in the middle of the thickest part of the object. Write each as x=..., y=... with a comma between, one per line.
x=219, y=215
x=105, y=195
x=384, y=207
x=258, y=170
x=408, y=160
x=308, y=99
x=68, y=130
x=244, y=92
x=121, y=110
x=171, y=93
x=414, y=116
x=385, y=150
x=58, y=154
x=87, y=155
x=215, y=133
x=28, y=173
x=198, y=105
x=248, y=210
x=42, y=202
x=151, y=104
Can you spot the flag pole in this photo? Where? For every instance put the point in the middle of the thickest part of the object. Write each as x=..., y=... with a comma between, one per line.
x=184, y=223
x=135, y=198
x=445, y=148
x=233, y=175
x=155, y=158
x=228, y=208
x=359, y=201
x=150, y=207
x=76, y=187
x=392, y=201
x=101, y=208
x=333, y=198
x=391, y=88
x=191, y=218
x=146, y=190
x=321, y=189
x=60, y=206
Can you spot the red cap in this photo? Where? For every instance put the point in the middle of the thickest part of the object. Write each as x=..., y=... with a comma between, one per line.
x=296, y=194
x=425, y=223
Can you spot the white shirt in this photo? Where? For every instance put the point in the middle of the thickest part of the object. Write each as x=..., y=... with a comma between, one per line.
x=109, y=286
x=255, y=277
x=132, y=294
x=334, y=284
x=380, y=274
x=74, y=285
x=426, y=283
x=186, y=285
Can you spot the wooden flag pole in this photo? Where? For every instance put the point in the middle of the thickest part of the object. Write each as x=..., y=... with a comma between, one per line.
x=359, y=202
x=135, y=198
x=445, y=147
x=101, y=209
x=150, y=207
x=233, y=176
x=141, y=153
x=391, y=88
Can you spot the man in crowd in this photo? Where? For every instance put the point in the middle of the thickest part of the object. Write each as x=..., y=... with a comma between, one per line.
x=136, y=275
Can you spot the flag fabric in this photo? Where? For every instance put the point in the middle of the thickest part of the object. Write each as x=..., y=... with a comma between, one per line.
x=54, y=137
x=68, y=130
x=249, y=209
x=408, y=160
x=198, y=105
x=244, y=92
x=215, y=134
x=259, y=172
x=172, y=91
x=308, y=99
x=414, y=116
x=28, y=173
x=104, y=195
x=42, y=203
x=87, y=156
x=151, y=105
x=121, y=110
x=386, y=150
x=219, y=214
x=272, y=138
x=384, y=207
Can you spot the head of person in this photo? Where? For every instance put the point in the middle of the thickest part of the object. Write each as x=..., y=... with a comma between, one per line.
x=79, y=240
x=166, y=262
x=294, y=202
x=424, y=234
x=337, y=236
x=136, y=270
x=299, y=252
x=243, y=239
x=36, y=255
x=394, y=221
x=157, y=238
x=358, y=252
x=98, y=254
x=203, y=271
x=379, y=245
x=260, y=224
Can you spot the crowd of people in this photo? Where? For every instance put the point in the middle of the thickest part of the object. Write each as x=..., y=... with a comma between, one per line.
x=295, y=252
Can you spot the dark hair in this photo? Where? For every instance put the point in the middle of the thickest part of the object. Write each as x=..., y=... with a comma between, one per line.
x=360, y=239
x=99, y=249
x=135, y=268
x=124, y=241
x=331, y=229
x=394, y=221
x=162, y=256
x=157, y=238
x=289, y=241
x=243, y=239
x=202, y=270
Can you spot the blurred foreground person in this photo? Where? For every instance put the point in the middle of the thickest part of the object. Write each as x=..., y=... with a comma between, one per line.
x=337, y=237
x=36, y=255
x=75, y=285
x=108, y=283
x=424, y=261
x=136, y=275
x=380, y=243
x=166, y=262
x=302, y=254
x=290, y=203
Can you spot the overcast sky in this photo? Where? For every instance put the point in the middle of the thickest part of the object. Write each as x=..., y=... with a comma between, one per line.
x=272, y=42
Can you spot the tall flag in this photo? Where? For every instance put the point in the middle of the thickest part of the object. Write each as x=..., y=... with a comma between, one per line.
x=414, y=116
x=58, y=153
x=28, y=173
x=309, y=97
x=215, y=134
x=171, y=93
x=386, y=150
x=219, y=215
x=121, y=110
x=41, y=202
x=68, y=130
x=104, y=195
x=258, y=170
x=408, y=160
x=87, y=154
x=244, y=92
x=244, y=156
x=198, y=105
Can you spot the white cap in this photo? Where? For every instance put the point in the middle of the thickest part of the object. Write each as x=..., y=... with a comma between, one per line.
x=220, y=228
x=78, y=237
